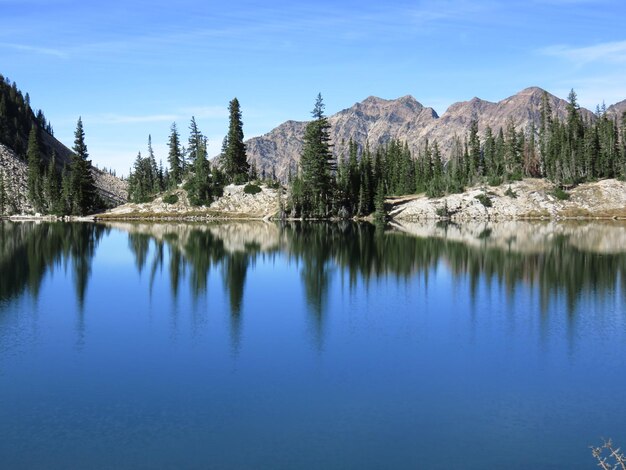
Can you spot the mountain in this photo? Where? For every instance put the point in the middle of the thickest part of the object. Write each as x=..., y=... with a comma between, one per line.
x=617, y=109
x=376, y=121
x=16, y=121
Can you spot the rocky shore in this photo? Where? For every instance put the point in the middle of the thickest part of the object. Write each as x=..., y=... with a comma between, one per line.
x=526, y=199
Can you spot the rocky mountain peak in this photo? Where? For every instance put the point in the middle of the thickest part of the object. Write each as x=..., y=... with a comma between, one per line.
x=376, y=121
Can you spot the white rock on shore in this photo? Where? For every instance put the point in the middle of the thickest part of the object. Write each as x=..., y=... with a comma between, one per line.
x=530, y=198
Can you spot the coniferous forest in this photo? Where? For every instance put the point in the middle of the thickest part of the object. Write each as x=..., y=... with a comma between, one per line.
x=57, y=184
x=567, y=152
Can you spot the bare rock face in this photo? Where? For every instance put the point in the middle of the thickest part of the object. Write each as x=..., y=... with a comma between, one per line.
x=617, y=110
x=14, y=174
x=376, y=121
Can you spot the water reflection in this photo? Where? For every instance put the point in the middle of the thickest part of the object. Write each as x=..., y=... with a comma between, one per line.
x=557, y=260
x=28, y=250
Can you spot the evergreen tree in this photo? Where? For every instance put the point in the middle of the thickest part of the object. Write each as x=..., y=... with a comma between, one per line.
x=316, y=163
x=545, y=127
x=52, y=188
x=33, y=156
x=235, y=163
x=154, y=180
x=66, y=191
x=174, y=157
x=81, y=182
x=512, y=152
x=489, y=154
x=379, y=204
x=199, y=186
x=475, y=159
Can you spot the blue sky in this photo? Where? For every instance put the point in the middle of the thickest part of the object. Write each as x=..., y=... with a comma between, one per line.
x=131, y=68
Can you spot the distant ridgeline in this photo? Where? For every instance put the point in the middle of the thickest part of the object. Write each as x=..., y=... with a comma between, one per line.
x=37, y=172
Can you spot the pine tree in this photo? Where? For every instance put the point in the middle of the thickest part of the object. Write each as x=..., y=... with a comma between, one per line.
x=81, y=182
x=51, y=188
x=316, y=163
x=235, y=162
x=174, y=157
x=199, y=185
x=379, y=204
x=66, y=191
x=33, y=155
x=476, y=165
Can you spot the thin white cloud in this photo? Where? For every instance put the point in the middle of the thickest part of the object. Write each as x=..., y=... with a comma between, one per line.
x=110, y=118
x=35, y=49
x=200, y=112
x=204, y=112
x=614, y=52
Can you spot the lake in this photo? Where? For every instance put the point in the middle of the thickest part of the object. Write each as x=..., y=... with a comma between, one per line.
x=260, y=345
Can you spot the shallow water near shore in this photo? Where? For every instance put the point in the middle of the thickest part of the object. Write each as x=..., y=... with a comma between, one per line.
x=260, y=345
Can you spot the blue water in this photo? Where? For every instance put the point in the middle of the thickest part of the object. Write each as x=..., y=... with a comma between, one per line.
x=309, y=346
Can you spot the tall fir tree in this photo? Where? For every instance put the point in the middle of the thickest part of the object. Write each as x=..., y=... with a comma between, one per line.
x=82, y=187
x=235, y=164
x=476, y=165
x=33, y=157
x=199, y=184
x=174, y=157
x=316, y=163
x=52, y=190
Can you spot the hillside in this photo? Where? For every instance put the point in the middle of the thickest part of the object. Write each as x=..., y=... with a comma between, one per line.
x=13, y=171
x=377, y=121
x=17, y=118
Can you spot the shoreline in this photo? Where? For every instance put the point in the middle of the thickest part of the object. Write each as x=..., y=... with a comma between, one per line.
x=525, y=200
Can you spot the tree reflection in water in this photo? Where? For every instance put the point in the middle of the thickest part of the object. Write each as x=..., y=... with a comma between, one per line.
x=558, y=267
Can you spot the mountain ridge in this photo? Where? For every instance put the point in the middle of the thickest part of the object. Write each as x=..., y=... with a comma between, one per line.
x=375, y=121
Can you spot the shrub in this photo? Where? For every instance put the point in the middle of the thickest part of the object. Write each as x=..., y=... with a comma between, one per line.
x=484, y=200
x=170, y=199
x=509, y=192
x=443, y=211
x=494, y=180
x=560, y=194
x=251, y=189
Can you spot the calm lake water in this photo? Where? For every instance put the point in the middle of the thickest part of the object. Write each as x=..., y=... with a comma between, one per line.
x=256, y=345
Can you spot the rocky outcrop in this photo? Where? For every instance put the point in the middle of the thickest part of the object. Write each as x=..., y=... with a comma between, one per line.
x=527, y=199
x=13, y=172
x=233, y=204
x=376, y=121
x=617, y=110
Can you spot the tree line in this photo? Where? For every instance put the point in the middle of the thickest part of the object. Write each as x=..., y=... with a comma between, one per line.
x=567, y=152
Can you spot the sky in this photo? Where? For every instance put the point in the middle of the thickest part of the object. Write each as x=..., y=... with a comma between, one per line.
x=131, y=68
